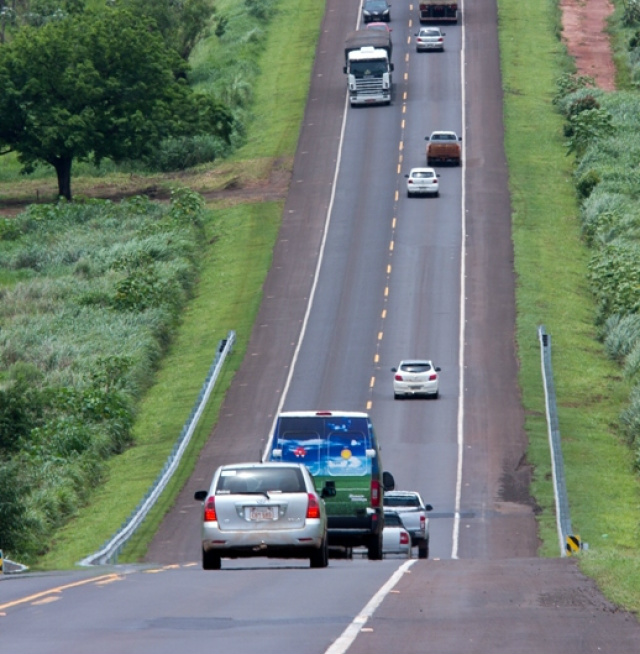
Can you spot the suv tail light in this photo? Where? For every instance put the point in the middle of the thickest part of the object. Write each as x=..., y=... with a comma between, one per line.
x=210, y=510
x=404, y=538
x=375, y=492
x=313, y=508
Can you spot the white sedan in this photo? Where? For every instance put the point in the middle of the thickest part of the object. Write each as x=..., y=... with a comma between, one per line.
x=423, y=181
x=430, y=38
x=416, y=377
x=395, y=538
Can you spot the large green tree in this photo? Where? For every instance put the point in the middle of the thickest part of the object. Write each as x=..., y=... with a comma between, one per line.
x=96, y=86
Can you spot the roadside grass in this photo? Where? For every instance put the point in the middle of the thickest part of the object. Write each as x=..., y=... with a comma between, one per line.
x=241, y=239
x=552, y=290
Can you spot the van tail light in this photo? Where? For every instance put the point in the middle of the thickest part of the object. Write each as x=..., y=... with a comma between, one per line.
x=313, y=508
x=210, y=510
x=404, y=538
x=375, y=492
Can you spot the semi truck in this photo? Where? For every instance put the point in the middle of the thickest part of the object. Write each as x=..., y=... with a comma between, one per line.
x=368, y=66
x=438, y=11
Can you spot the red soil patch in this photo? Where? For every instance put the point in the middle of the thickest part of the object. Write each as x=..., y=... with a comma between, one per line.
x=583, y=31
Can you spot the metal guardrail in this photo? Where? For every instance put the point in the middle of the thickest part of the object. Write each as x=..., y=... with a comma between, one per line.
x=110, y=551
x=568, y=541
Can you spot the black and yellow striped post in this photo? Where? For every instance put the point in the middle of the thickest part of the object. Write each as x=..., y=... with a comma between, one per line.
x=573, y=544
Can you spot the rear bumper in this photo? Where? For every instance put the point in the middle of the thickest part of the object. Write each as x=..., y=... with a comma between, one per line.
x=353, y=531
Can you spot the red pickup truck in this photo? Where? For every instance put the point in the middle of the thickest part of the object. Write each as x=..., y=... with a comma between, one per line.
x=444, y=147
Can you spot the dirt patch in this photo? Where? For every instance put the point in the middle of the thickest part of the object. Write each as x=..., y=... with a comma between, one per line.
x=583, y=31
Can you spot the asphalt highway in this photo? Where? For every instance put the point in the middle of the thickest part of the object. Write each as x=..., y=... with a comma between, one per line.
x=363, y=276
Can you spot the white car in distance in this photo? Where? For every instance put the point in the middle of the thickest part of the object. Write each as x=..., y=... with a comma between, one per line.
x=430, y=38
x=423, y=181
x=414, y=377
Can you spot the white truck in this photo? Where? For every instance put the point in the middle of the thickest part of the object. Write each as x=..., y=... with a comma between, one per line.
x=368, y=67
x=413, y=513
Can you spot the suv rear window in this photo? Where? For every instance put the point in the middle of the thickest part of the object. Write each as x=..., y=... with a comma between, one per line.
x=400, y=501
x=416, y=367
x=256, y=480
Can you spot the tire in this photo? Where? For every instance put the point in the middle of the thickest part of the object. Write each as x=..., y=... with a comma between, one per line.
x=211, y=561
x=374, y=548
x=436, y=395
x=320, y=558
x=423, y=549
x=397, y=396
x=429, y=162
x=409, y=195
x=436, y=194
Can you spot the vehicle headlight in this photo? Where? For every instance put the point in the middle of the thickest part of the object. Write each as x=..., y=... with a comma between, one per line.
x=366, y=13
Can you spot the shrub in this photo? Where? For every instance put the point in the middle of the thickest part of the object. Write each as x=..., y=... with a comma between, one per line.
x=621, y=335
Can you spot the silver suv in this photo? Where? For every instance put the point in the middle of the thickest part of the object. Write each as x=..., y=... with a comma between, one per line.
x=263, y=509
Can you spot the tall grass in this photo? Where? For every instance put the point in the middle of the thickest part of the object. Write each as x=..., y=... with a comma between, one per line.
x=552, y=268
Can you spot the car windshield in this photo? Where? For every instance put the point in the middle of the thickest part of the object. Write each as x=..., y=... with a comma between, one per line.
x=333, y=446
x=260, y=480
x=392, y=520
x=416, y=367
x=406, y=500
x=375, y=5
x=422, y=174
x=362, y=69
x=430, y=33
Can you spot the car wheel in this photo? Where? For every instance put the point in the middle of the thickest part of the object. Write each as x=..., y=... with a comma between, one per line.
x=409, y=195
x=397, y=396
x=436, y=194
x=374, y=548
x=423, y=549
x=429, y=162
x=211, y=560
x=436, y=395
x=320, y=558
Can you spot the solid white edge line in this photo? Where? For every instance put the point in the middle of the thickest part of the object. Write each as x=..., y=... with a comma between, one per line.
x=344, y=641
x=463, y=250
x=305, y=322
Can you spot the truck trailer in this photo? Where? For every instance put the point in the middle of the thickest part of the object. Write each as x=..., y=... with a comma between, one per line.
x=438, y=11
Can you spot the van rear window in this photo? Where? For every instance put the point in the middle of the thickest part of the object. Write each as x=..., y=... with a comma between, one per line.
x=334, y=447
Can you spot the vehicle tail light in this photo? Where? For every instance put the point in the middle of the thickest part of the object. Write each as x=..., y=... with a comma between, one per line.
x=440, y=40
x=313, y=508
x=433, y=377
x=375, y=492
x=410, y=181
x=210, y=510
x=398, y=377
x=423, y=523
x=404, y=538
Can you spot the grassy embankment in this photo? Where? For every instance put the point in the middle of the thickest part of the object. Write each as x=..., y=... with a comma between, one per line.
x=241, y=239
x=551, y=264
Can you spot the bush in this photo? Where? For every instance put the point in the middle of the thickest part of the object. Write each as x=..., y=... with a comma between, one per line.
x=621, y=335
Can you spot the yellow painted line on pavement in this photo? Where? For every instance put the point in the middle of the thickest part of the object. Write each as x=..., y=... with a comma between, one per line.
x=46, y=600
x=51, y=591
x=369, y=405
x=372, y=383
x=386, y=291
x=391, y=246
x=380, y=334
x=104, y=582
x=384, y=314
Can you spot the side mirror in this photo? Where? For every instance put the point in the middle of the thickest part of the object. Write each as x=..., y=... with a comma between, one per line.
x=426, y=138
x=370, y=453
x=391, y=67
x=438, y=368
x=394, y=370
x=276, y=454
x=459, y=138
x=443, y=33
x=407, y=175
x=388, y=482
x=200, y=495
x=437, y=175
x=328, y=490
x=428, y=507
x=344, y=70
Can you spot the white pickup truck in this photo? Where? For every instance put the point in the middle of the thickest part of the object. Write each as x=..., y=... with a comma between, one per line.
x=413, y=512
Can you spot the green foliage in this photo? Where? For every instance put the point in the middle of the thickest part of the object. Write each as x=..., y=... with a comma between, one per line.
x=81, y=339
x=586, y=127
x=181, y=24
x=569, y=83
x=119, y=92
x=621, y=335
x=262, y=9
x=587, y=182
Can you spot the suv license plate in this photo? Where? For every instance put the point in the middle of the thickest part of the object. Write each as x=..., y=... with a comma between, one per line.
x=262, y=513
